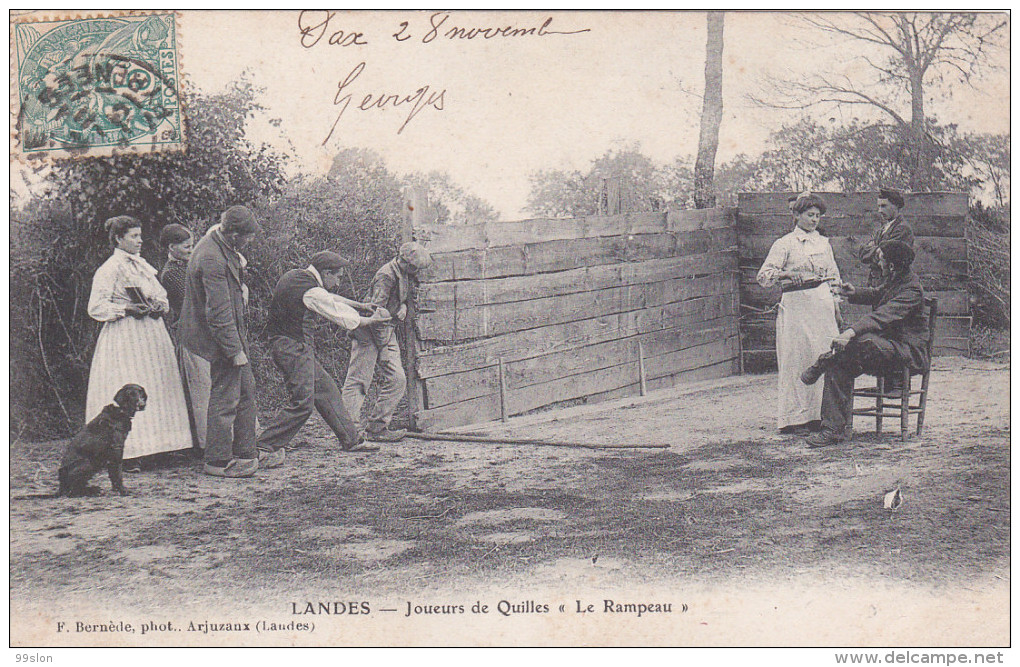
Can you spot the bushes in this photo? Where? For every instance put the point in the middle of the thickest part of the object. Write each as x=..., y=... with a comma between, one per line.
x=988, y=254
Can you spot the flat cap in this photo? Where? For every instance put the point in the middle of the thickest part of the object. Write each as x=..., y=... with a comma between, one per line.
x=327, y=260
x=416, y=255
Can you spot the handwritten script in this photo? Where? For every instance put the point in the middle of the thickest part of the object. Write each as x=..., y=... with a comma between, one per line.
x=418, y=100
x=316, y=24
x=324, y=28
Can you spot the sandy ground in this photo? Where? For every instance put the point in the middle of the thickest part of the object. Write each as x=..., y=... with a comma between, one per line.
x=747, y=535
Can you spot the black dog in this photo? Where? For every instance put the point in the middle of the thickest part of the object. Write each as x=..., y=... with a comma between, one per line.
x=101, y=445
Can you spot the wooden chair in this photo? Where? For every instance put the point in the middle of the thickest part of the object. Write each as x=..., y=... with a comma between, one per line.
x=897, y=404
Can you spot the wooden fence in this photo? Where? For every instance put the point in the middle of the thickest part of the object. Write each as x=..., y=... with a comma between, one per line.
x=938, y=220
x=559, y=309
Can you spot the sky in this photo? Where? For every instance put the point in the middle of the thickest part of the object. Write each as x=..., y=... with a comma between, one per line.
x=499, y=109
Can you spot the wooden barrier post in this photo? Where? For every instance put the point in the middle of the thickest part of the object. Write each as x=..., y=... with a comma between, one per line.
x=642, y=379
x=503, y=416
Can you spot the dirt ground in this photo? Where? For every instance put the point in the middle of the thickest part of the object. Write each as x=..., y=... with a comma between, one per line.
x=764, y=541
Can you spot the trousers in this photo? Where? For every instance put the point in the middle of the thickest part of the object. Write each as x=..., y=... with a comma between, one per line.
x=230, y=421
x=865, y=354
x=309, y=386
x=366, y=356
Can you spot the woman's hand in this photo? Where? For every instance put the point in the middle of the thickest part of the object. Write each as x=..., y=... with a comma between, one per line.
x=136, y=311
x=847, y=289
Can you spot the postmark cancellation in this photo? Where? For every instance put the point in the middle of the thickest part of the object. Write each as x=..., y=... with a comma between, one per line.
x=95, y=86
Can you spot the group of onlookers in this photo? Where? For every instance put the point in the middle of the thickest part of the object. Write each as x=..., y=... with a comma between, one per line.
x=197, y=372
x=811, y=337
x=182, y=334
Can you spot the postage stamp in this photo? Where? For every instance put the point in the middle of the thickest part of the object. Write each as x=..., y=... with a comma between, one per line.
x=96, y=86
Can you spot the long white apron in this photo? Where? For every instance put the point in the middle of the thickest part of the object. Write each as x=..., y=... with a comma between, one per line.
x=139, y=351
x=805, y=327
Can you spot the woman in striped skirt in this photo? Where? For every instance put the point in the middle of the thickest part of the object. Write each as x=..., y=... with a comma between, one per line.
x=134, y=346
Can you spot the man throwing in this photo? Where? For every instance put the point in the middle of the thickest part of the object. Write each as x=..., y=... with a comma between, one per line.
x=298, y=294
x=891, y=336
x=376, y=344
x=213, y=326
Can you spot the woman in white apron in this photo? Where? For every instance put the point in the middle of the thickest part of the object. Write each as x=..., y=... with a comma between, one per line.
x=134, y=346
x=802, y=264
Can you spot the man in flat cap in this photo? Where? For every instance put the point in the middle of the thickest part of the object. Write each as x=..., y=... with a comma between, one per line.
x=891, y=336
x=376, y=344
x=894, y=228
x=298, y=294
x=213, y=325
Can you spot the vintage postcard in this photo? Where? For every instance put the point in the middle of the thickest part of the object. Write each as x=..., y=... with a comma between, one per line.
x=506, y=328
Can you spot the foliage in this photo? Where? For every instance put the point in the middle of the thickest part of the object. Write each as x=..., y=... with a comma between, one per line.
x=988, y=252
x=59, y=240
x=644, y=186
x=451, y=204
x=909, y=54
x=853, y=157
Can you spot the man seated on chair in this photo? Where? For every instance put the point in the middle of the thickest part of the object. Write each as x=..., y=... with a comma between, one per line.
x=881, y=343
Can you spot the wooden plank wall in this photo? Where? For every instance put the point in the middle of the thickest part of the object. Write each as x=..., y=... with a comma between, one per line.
x=938, y=220
x=565, y=303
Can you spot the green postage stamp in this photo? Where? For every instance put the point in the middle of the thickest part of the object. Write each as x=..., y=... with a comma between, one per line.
x=96, y=86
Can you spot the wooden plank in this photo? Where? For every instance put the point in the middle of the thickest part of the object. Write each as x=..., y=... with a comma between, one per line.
x=693, y=219
x=485, y=408
x=452, y=238
x=862, y=227
x=753, y=294
x=564, y=255
x=467, y=293
x=942, y=247
x=460, y=324
x=857, y=203
x=542, y=340
x=532, y=370
x=951, y=302
x=951, y=347
x=956, y=302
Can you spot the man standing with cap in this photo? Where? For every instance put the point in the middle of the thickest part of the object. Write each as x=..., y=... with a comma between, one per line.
x=894, y=228
x=298, y=294
x=213, y=326
x=376, y=344
x=891, y=336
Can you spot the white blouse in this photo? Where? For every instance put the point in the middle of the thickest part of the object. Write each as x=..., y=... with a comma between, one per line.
x=805, y=253
x=109, y=295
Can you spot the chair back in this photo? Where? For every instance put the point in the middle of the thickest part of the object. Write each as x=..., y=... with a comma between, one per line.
x=931, y=304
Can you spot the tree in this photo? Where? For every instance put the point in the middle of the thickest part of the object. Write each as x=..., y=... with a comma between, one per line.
x=644, y=186
x=858, y=156
x=913, y=50
x=988, y=155
x=711, y=114
x=453, y=205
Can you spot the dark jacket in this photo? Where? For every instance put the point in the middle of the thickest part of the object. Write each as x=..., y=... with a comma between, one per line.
x=212, y=323
x=174, y=277
x=899, y=230
x=390, y=288
x=898, y=317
